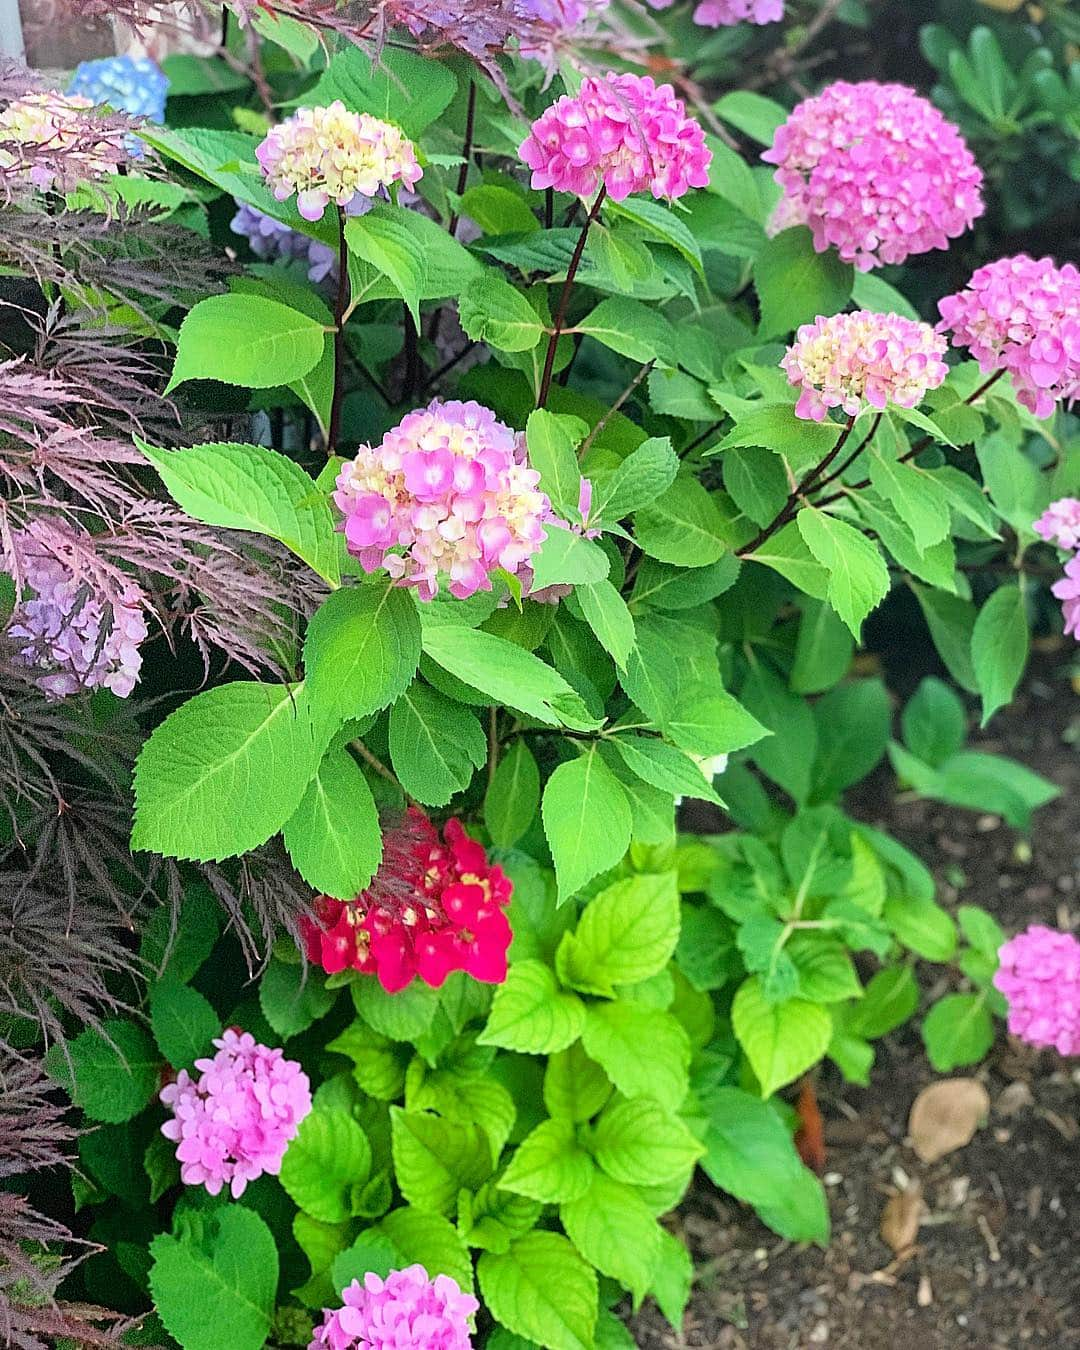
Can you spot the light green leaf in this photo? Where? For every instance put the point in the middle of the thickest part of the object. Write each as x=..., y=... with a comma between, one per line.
x=934, y=722
x=999, y=647
x=787, y=755
x=917, y=498
x=575, y=1086
x=632, y=329
x=552, y=443
x=542, y=1290
x=673, y=1277
x=428, y=1240
x=333, y=836
x=626, y=934
x=233, y=1263
x=753, y=114
x=586, y=820
x=361, y=651
x=645, y=474
x=957, y=1031
x=403, y=1016
x=757, y=482
x=568, y=559
x=435, y=744
x=613, y=1228
x=823, y=649
x=385, y=239
x=247, y=487
x=781, y=1040
x=401, y=86
x=246, y=340
x=326, y=1164
x=682, y=526
x=434, y=1158
x=183, y=1022
x=664, y=766
x=608, y=615
x=493, y=311
x=644, y=1052
x=549, y=1164
x=795, y=283
x=787, y=554
x=512, y=796
x=531, y=1014
x=640, y=1143
x=888, y=1001
x=922, y=925
x=858, y=577
x=225, y=771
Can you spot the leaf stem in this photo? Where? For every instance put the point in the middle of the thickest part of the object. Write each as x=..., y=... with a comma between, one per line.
x=564, y=299
x=341, y=305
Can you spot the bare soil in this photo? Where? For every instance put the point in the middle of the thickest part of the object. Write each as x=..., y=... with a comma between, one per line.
x=997, y=1258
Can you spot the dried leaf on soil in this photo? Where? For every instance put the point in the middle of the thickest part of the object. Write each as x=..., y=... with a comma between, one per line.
x=901, y=1216
x=945, y=1116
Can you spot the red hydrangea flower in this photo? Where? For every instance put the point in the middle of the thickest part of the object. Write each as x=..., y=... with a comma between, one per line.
x=435, y=905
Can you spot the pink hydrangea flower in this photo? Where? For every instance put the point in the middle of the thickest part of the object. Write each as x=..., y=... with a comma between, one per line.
x=406, y=1311
x=235, y=1121
x=876, y=172
x=624, y=132
x=1022, y=315
x=329, y=155
x=1060, y=523
x=1067, y=591
x=725, y=13
x=1039, y=974
x=448, y=493
x=54, y=140
x=82, y=622
x=850, y=361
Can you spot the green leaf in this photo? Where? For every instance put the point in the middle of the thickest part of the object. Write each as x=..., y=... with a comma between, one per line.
x=858, y=577
x=247, y=487
x=888, y=1001
x=233, y=1264
x=385, y=239
x=379, y=1064
x=752, y=114
x=645, y=474
x=871, y=292
x=613, y=1228
x=225, y=771
x=513, y=796
x=403, y=1016
x=682, y=526
x=951, y=621
x=757, y=482
x=361, y=651
x=505, y=672
x=493, y=311
x=428, y=1240
x=499, y=210
x=326, y=1164
x=823, y=649
x=111, y=1073
x=434, y=1158
x=713, y=724
x=852, y=731
x=568, y=559
x=246, y=340
x=401, y=86
x=750, y=1154
x=787, y=554
x=673, y=1277
x=922, y=925
x=436, y=745
x=373, y=1252
x=787, y=755
x=552, y=443
x=183, y=1023
x=795, y=283
x=586, y=820
x=999, y=647
x=983, y=932
x=175, y=944
x=530, y=1014
x=575, y=1086
x=934, y=722
x=825, y=971
x=661, y=224
x=917, y=498
x=543, y=1290
x=608, y=615
x=640, y=1143
x=549, y=1164
x=664, y=766
x=957, y=1031
x=774, y=426
x=644, y=1052
x=292, y=996
x=626, y=934
x=632, y=329
x=333, y=836
x=781, y=1040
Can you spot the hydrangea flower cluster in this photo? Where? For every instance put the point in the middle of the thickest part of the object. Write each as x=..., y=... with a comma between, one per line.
x=876, y=172
x=406, y=1311
x=82, y=628
x=54, y=140
x=623, y=132
x=270, y=239
x=1022, y=315
x=1039, y=974
x=435, y=905
x=1060, y=523
x=726, y=13
x=235, y=1121
x=132, y=85
x=1067, y=591
x=447, y=493
x=851, y=360
x=329, y=155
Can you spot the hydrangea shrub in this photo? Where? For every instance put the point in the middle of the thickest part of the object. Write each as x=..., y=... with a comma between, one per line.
x=599, y=445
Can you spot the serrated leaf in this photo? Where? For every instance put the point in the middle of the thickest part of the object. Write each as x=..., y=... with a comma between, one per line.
x=333, y=836
x=292, y=996
x=613, y=1228
x=552, y=443
x=645, y=474
x=640, y=1143
x=999, y=647
x=531, y=1014
x=329, y=1158
x=513, y=796
x=549, y=1164
x=757, y=482
x=225, y=771
x=795, y=283
x=632, y=329
x=248, y=487
x=385, y=239
x=111, y=1073
x=575, y=1086
x=542, y=1290
x=586, y=820
x=957, y=1031
x=434, y=1158
x=246, y=340
x=858, y=579
x=626, y=934
x=436, y=745
x=183, y=1023
x=493, y=311
x=781, y=1040
x=682, y=526
x=644, y=1052
x=664, y=766
x=914, y=494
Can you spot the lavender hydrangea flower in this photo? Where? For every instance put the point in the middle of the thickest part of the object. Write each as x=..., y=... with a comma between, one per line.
x=270, y=240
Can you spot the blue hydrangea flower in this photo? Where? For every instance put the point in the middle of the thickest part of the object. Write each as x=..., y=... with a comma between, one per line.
x=132, y=85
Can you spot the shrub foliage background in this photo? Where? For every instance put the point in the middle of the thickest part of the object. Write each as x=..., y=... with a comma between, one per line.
x=721, y=561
